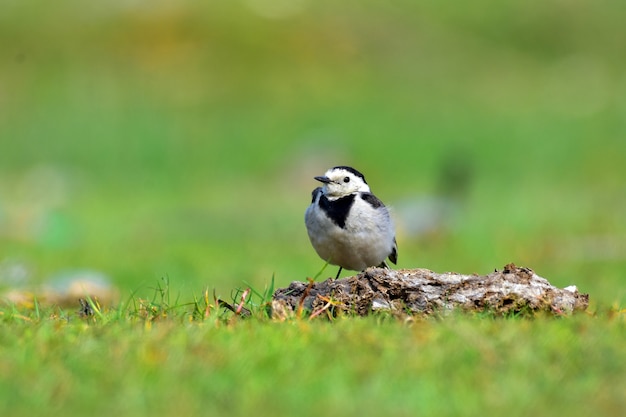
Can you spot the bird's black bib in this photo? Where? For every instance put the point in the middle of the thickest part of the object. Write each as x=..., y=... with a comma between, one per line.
x=337, y=210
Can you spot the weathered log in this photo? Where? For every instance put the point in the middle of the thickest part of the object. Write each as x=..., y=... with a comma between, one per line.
x=421, y=291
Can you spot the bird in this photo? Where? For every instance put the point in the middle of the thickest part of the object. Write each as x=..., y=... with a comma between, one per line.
x=348, y=226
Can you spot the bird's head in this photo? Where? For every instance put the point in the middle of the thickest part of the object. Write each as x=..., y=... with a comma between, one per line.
x=341, y=181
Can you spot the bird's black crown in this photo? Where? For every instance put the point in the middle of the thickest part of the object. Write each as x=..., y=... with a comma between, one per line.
x=352, y=170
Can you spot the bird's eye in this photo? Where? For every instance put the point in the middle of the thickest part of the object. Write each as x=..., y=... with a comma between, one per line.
x=346, y=179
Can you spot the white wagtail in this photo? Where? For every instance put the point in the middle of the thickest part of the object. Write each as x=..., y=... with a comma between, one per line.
x=348, y=225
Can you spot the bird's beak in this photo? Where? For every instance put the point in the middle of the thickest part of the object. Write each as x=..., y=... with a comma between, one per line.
x=323, y=179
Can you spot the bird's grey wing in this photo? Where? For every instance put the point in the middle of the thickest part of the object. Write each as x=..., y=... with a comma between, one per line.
x=372, y=200
x=314, y=194
x=375, y=202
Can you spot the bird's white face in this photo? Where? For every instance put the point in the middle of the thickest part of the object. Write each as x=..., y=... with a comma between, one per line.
x=339, y=182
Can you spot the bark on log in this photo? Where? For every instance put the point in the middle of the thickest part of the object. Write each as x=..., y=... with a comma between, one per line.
x=421, y=291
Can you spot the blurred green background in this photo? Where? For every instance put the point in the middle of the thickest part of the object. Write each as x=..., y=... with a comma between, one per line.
x=151, y=139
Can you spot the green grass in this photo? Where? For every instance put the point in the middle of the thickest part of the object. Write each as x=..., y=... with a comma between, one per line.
x=460, y=366
x=173, y=146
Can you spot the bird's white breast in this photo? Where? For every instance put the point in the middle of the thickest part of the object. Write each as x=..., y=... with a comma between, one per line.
x=366, y=240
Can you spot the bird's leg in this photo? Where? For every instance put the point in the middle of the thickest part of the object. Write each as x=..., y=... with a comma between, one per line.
x=338, y=272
